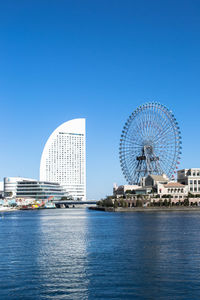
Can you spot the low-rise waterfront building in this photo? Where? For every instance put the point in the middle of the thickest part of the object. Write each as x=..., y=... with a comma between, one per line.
x=174, y=189
x=121, y=190
x=190, y=177
x=40, y=190
x=10, y=185
x=158, y=190
x=18, y=187
x=154, y=180
x=147, y=185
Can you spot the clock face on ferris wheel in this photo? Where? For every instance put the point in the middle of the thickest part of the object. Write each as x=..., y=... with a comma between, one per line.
x=150, y=143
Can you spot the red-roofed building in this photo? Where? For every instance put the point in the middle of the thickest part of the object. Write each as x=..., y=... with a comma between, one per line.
x=175, y=189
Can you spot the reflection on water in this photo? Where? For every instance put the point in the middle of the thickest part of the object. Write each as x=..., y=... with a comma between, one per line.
x=82, y=254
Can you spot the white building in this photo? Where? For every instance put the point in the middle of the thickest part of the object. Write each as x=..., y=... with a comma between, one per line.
x=120, y=191
x=64, y=160
x=19, y=187
x=10, y=185
x=1, y=189
x=190, y=177
x=40, y=190
x=153, y=180
x=175, y=189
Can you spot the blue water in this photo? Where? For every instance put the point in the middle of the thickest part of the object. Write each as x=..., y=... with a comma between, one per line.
x=82, y=254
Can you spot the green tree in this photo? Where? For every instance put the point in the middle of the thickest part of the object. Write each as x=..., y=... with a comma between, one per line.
x=139, y=203
x=165, y=203
x=67, y=198
x=116, y=204
x=108, y=202
x=100, y=203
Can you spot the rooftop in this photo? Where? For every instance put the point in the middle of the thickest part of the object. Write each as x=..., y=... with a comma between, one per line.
x=159, y=177
x=174, y=184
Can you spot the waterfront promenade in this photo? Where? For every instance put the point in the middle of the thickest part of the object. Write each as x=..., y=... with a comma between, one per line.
x=148, y=209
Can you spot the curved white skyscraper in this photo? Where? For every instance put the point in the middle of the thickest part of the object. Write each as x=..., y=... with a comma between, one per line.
x=63, y=159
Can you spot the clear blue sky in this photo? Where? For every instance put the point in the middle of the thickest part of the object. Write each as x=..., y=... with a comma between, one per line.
x=61, y=60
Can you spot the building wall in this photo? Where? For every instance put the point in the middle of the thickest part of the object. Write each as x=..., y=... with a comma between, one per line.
x=175, y=191
x=152, y=180
x=190, y=177
x=40, y=190
x=149, y=181
x=10, y=185
x=119, y=191
x=64, y=159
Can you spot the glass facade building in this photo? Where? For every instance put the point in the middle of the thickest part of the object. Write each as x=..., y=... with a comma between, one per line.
x=19, y=187
x=39, y=190
x=10, y=185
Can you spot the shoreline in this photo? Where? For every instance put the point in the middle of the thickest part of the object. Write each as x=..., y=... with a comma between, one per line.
x=146, y=209
x=8, y=209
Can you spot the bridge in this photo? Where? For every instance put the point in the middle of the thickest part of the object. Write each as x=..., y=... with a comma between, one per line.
x=72, y=203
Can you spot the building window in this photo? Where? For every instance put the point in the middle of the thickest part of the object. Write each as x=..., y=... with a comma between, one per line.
x=191, y=189
x=195, y=182
x=191, y=181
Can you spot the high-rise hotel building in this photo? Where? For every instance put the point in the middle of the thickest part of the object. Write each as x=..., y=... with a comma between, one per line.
x=64, y=160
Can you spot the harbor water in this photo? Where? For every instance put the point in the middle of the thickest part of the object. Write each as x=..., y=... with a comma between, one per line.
x=83, y=254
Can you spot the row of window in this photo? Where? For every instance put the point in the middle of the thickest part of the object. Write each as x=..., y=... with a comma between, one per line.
x=195, y=173
x=194, y=181
x=194, y=189
x=175, y=190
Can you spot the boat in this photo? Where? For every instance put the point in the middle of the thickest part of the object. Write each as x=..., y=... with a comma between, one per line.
x=50, y=205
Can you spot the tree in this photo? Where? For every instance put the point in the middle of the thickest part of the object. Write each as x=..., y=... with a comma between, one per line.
x=190, y=195
x=128, y=192
x=69, y=198
x=165, y=202
x=116, y=204
x=108, y=202
x=139, y=203
x=100, y=203
x=157, y=196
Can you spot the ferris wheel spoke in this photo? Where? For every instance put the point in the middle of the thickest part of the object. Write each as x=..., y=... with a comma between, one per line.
x=165, y=156
x=152, y=122
x=133, y=139
x=133, y=171
x=162, y=126
x=168, y=161
x=162, y=131
x=131, y=159
x=167, y=139
x=165, y=133
x=168, y=145
x=135, y=132
x=139, y=129
x=167, y=166
x=129, y=173
x=131, y=151
x=132, y=142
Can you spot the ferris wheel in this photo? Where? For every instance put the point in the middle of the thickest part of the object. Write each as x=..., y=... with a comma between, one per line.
x=150, y=143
